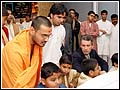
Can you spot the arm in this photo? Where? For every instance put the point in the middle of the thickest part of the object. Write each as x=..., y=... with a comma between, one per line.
x=95, y=33
x=19, y=73
x=103, y=64
x=76, y=62
x=82, y=30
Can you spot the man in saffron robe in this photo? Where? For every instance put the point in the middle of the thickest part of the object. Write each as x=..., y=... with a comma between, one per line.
x=22, y=57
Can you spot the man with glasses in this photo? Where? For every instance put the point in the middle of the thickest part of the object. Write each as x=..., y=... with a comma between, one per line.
x=22, y=57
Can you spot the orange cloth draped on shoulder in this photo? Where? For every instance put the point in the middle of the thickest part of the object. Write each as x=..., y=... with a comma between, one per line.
x=18, y=70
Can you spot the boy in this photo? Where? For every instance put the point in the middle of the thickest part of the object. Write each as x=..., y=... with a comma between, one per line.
x=69, y=76
x=50, y=76
x=114, y=62
x=90, y=69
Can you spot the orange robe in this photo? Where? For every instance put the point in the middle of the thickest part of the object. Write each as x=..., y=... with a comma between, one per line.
x=18, y=70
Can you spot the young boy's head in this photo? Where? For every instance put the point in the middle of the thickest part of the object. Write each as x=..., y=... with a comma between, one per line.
x=90, y=67
x=115, y=59
x=50, y=75
x=65, y=63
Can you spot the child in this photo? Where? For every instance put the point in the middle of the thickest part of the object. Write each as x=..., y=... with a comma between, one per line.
x=69, y=76
x=50, y=76
x=90, y=69
x=114, y=62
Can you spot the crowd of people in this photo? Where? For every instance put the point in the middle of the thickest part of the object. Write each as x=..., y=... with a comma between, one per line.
x=58, y=51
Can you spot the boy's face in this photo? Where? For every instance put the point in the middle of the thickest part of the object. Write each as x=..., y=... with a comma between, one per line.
x=65, y=68
x=58, y=19
x=96, y=71
x=52, y=81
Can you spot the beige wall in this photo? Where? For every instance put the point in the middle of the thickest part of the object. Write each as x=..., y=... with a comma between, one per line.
x=44, y=8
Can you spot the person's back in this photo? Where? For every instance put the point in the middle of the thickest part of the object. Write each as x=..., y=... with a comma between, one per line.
x=50, y=76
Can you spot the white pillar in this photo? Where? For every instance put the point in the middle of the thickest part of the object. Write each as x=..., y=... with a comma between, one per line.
x=95, y=7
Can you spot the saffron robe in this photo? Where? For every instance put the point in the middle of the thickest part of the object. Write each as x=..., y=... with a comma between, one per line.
x=20, y=69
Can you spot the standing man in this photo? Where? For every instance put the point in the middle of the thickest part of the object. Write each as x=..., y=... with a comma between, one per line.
x=86, y=51
x=75, y=31
x=114, y=35
x=52, y=50
x=89, y=27
x=22, y=57
x=104, y=34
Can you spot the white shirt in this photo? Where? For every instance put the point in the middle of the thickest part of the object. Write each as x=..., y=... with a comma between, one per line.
x=114, y=39
x=103, y=39
x=51, y=50
x=25, y=25
x=108, y=80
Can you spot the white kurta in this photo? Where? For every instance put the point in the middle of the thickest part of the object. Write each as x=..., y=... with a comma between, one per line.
x=108, y=80
x=25, y=25
x=103, y=40
x=114, y=39
x=51, y=50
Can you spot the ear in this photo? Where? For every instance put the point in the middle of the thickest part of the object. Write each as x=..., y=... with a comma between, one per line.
x=91, y=73
x=43, y=81
x=32, y=30
x=51, y=15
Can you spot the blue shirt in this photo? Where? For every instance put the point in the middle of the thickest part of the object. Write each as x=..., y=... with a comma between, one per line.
x=43, y=86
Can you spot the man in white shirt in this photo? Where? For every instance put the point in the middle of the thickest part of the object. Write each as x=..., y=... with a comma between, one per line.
x=26, y=24
x=52, y=51
x=114, y=35
x=104, y=33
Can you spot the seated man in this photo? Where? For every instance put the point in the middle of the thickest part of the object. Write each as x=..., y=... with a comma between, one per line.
x=86, y=51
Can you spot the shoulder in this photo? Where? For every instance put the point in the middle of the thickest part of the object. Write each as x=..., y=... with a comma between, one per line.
x=62, y=86
x=40, y=86
x=83, y=22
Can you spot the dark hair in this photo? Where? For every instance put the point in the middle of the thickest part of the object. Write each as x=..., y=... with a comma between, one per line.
x=4, y=11
x=48, y=69
x=86, y=38
x=58, y=8
x=88, y=64
x=114, y=16
x=40, y=20
x=97, y=15
x=77, y=14
x=91, y=12
x=65, y=59
x=114, y=58
x=72, y=10
x=104, y=11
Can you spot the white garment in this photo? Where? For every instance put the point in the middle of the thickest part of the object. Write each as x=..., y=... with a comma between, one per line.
x=10, y=31
x=51, y=50
x=114, y=39
x=25, y=25
x=113, y=68
x=108, y=80
x=103, y=39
